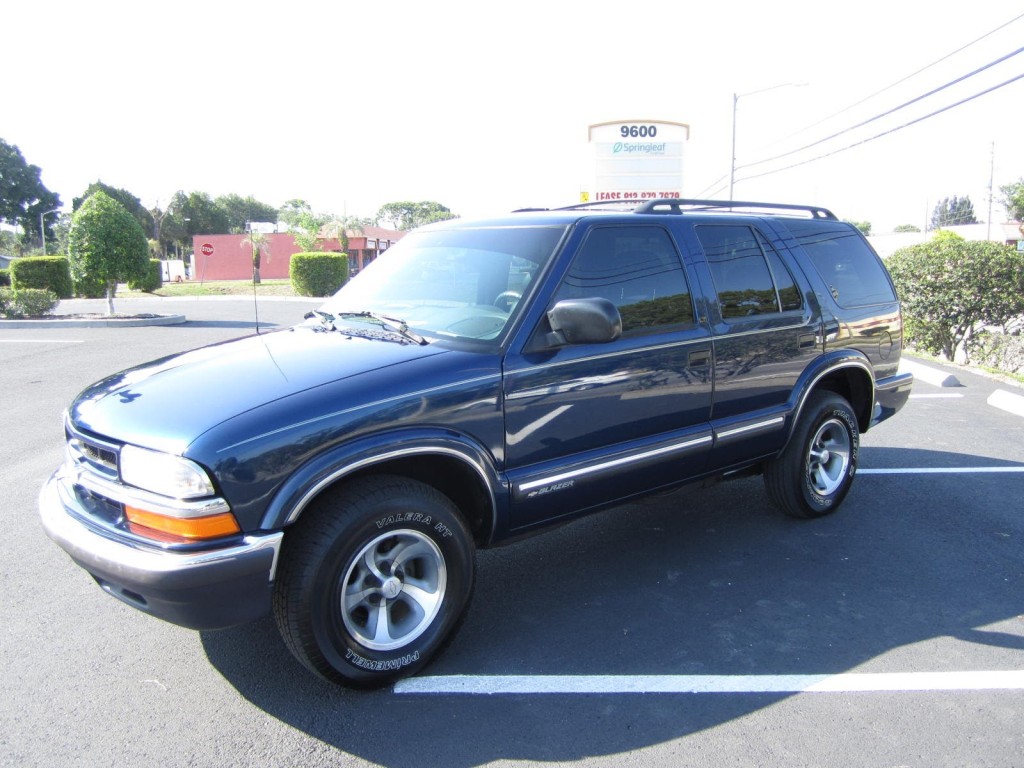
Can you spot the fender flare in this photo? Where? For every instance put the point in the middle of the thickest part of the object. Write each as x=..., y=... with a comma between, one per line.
x=841, y=360
x=309, y=480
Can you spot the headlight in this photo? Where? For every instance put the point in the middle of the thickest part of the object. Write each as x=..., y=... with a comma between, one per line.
x=164, y=473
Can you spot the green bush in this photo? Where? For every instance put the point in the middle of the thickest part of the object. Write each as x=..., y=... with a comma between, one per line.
x=27, y=302
x=43, y=272
x=5, y=278
x=318, y=274
x=951, y=288
x=154, y=278
x=90, y=287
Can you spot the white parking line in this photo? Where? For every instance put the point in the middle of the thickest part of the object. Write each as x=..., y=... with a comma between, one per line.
x=938, y=470
x=943, y=395
x=929, y=375
x=895, y=682
x=1007, y=401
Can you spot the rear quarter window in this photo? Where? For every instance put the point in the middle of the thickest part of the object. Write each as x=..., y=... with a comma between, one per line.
x=852, y=271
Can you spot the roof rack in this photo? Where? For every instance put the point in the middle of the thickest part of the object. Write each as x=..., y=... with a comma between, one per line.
x=680, y=205
x=676, y=206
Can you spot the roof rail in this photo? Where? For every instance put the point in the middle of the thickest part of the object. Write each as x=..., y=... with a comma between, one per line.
x=676, y=206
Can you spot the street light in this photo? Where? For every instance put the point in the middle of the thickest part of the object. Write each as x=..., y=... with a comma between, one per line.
x=42, y=227
x=735, y=99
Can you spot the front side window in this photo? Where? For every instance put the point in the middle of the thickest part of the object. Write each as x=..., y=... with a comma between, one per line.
x=451, y=283
x=749, y=275
x=638, y=270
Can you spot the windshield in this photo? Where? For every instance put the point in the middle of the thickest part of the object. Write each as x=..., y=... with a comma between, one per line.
x=449, y=283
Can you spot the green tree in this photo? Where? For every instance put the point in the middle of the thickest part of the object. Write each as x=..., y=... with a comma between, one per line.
x=193, y=214
x=259, y=245
x=106, y=243
x=863, y=226
x=951, y=287
x=907, y=228
x=23, y=197
x=1013, y=199
x=131, y=203
x=953, y=212
x=242, y=210
x=303, y=223
x=408, y=215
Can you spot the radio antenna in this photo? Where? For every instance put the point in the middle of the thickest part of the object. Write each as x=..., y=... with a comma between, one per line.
x=255, y=261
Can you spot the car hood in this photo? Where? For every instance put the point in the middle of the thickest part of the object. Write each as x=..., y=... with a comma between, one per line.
x=168, y=403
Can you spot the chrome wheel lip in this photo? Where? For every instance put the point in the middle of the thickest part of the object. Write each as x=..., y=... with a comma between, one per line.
x=828, y=457
x=393, y=589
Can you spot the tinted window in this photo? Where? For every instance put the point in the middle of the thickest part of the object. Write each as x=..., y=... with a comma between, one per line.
x=739, y=260
x=853, y=273
x=638, y=270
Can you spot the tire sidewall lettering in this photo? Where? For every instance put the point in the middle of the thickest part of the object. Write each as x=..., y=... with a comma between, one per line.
x=811, y=494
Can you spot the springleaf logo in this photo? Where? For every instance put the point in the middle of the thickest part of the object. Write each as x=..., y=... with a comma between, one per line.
x=617, y=148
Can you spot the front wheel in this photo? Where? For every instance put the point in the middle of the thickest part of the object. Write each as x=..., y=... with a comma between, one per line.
x=374, y=580
x=813, y=473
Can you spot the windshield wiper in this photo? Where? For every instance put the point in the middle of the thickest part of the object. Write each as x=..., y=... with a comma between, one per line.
x=390, y=323
x=326, y=318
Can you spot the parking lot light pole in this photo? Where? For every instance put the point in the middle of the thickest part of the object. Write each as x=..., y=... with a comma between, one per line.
x=42, y=227
x=735, y=99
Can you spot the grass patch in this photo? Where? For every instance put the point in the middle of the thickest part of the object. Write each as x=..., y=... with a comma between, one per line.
x=213, y=288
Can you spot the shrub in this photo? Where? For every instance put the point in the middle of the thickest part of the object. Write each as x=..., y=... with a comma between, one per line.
x=153, y=280
x=27, y=302
x=1000, y=351
x=5, y=278
x=318, y=274
x=43, y=272
x=90, y=287
x=951, y=287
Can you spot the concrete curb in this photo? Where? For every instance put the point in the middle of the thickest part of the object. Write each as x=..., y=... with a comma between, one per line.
x=94, y=322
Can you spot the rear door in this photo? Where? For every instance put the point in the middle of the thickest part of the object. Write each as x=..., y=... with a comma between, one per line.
x=590, y=424
x=766, y=332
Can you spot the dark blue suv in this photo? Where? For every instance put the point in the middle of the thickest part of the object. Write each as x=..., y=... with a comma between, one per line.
x=480, y=381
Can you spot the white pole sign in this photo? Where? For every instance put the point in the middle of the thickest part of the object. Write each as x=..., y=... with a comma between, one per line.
x=637, y=159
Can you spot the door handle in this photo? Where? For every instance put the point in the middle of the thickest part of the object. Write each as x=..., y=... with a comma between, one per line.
x=699, y=358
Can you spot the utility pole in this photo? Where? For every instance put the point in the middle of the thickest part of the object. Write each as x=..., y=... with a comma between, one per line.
x=991, y=177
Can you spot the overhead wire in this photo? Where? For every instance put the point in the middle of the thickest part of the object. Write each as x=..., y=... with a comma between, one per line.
x=718, y=186
x=886, y=133
x=905, y=104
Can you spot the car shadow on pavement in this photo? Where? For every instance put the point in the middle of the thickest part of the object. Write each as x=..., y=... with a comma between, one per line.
x=703, y=581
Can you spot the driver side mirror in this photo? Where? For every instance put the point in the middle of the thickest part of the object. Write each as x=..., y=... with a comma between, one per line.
x=583, y=321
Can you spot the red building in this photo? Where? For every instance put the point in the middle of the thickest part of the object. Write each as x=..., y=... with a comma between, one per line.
x=229, y=257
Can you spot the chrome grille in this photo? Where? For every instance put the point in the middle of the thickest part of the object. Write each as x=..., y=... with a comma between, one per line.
x=98, y=455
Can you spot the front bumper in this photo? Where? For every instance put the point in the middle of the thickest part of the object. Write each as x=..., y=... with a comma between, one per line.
x=205, y=589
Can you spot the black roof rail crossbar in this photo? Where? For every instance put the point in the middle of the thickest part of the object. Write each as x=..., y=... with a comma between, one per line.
x=676, y=205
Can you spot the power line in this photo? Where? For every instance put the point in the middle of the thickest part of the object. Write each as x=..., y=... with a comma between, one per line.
x=886, y=133
x=861, y=124
x=904, y=79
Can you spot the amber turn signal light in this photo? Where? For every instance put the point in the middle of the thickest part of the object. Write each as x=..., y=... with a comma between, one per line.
x=180, y=529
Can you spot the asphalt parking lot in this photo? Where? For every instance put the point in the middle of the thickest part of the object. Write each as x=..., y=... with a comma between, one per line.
x=698, y=628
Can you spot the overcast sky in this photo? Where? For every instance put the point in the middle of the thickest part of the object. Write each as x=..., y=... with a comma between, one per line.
x=484, y=107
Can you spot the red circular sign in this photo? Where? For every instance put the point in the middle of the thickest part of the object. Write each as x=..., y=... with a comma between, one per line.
x=207, y=249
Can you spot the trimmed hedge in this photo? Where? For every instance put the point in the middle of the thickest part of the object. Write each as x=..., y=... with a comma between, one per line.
x=318, y=273
x=27, y=302
x=154, y=278
x=43, y=272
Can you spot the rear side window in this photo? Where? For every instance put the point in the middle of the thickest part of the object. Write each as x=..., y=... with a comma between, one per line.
x=853, y=273
x=750, y=276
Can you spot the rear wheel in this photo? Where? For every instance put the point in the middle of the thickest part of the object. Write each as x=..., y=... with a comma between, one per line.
x=374, y=580
x=813, y=474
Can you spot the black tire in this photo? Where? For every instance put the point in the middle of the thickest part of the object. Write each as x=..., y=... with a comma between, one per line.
x=373, y=580
x=814, y=472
